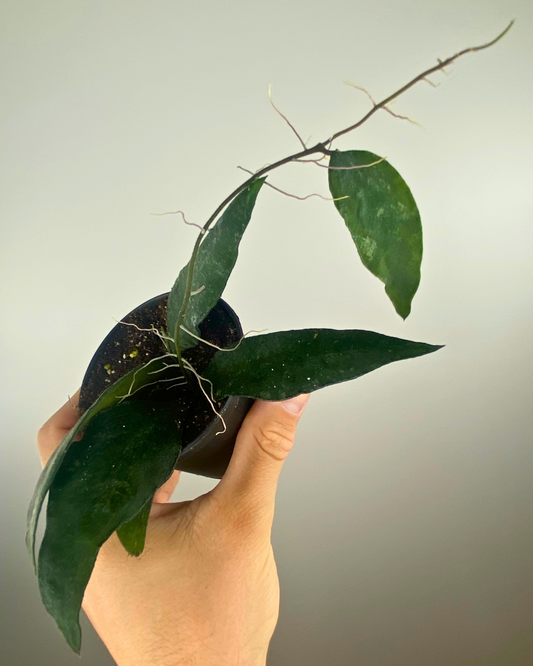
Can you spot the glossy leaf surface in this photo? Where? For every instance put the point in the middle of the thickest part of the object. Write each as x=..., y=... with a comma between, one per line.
x=132, y=534
x=215, y=261
x=105, y=479
x=383, y=219
x=111, y=396
x=281, y=365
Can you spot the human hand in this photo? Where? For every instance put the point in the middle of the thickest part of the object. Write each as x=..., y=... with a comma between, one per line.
x=205, y=591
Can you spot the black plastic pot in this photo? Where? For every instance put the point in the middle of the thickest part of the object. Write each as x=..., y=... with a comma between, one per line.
x=125, y=347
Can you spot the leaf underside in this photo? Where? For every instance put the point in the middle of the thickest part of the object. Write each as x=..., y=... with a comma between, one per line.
x=383, y=219
x=105, y=480
x=215, y=261
x=111, y=396
x=277, y=366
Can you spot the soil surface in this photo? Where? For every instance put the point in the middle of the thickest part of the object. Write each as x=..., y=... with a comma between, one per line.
x=126, y=348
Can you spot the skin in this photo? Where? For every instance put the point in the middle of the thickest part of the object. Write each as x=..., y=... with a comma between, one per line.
x=205, y=591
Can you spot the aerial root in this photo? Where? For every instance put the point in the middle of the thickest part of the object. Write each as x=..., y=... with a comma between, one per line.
x=294, y=196
x=211, y=344
x=180, y=212
x=349, y=168
x=153, y=329
x=71, y=403
x=130, y=390
x=165, y=367
x=302, y=142
x=210, y=399
x=158, y=381
x=384, y=107
x=400, y=117
x=364, y=90
x=440, y=66
x=319, y=159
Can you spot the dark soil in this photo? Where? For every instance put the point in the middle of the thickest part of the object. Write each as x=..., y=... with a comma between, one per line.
x=126, y=348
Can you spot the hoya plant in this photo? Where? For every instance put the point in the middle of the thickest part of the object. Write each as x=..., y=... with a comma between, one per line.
x=175, y=377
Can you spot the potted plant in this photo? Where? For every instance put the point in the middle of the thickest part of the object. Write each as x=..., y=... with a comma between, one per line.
x=170, y=385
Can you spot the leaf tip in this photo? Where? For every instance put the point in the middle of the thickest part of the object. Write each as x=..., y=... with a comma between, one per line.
x=72, y=634
x=404, y=310
x=433, y=348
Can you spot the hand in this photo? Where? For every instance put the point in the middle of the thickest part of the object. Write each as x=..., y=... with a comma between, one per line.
x=205, y=591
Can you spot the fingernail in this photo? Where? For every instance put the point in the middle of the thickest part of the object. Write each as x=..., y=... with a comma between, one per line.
x=296, y=405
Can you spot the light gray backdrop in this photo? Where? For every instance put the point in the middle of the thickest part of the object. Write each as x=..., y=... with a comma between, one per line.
x=404, y=523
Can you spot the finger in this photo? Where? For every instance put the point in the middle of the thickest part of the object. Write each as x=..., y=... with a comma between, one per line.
x=264, y=441
x=163, y=494
x=57, y=426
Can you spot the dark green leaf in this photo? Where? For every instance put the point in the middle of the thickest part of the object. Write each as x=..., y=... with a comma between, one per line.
x=215, y=261
x=384, y=221
x=111, y=396
x=127, y=452
x=281, y=365
x=132, y=534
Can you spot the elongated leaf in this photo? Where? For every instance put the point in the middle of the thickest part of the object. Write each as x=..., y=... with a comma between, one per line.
x=111, y=396
x=127, y=452
x=215, y=261
x=384, y=221
x=281, y=365
x=132, y=534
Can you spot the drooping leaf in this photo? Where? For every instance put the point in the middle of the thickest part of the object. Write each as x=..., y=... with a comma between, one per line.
x=215, y=261
x=132, y=534
x=111, y=396
x=383, y=219
x=281, y=365
x=126, y=453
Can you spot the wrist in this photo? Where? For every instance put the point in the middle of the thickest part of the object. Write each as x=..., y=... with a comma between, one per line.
x=200, y=655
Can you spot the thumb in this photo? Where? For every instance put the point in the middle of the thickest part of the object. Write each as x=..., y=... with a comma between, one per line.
x=263, y=443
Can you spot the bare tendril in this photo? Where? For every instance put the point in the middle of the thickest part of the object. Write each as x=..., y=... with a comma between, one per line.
x=322, y=148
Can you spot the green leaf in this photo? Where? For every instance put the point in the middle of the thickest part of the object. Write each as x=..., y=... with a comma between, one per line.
x=111, y=396
x=215, y=261
x=127, y=452
x=132, y=534
x=281, y=365
x=384, y=221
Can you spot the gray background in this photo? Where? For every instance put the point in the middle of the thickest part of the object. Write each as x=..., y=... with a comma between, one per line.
x=404, y=524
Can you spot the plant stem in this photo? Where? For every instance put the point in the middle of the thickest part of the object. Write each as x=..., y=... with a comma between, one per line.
x=320, y=147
